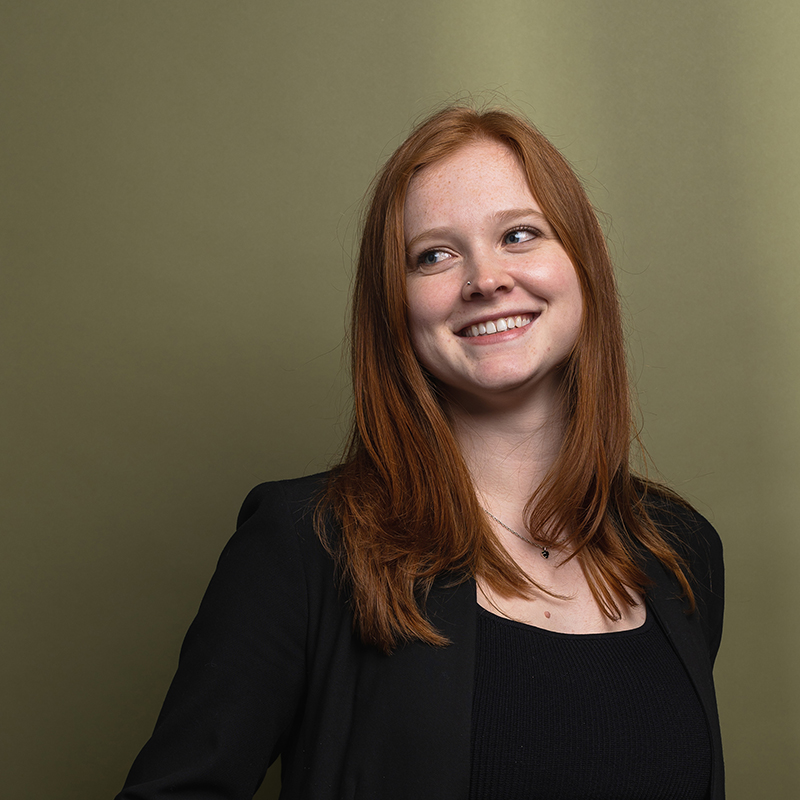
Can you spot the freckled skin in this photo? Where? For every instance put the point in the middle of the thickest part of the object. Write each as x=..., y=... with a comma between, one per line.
x=472, y=217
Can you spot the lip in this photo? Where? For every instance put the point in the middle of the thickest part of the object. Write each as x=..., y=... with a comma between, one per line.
x=460, y=331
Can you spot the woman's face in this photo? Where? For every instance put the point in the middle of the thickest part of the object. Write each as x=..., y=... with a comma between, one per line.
x=494, y=303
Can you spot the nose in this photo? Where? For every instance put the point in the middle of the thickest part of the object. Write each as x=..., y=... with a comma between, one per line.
x=485, y=277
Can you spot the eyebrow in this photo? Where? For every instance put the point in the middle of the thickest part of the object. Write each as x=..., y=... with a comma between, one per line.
x=501, y=216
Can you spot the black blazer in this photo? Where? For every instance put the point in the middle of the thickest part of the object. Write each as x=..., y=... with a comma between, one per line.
x=270, y=667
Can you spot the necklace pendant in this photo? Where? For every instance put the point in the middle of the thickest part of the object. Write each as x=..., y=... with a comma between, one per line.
x=545, y=551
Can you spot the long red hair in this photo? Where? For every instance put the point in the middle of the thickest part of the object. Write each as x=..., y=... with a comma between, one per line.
x=402, y=496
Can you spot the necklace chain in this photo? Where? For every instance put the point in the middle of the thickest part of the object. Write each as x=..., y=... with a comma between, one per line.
x=545, y=551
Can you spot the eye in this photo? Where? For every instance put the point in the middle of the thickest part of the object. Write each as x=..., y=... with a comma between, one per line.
x=520, y=235
x=430, y=258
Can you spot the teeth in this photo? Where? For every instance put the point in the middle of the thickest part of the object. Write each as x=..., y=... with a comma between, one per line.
x=497, y=325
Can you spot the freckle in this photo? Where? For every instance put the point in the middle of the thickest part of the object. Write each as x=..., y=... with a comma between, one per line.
x=547, y=614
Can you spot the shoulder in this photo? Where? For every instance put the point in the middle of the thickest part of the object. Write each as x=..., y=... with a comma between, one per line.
x=687, y=530
x=275, y=542
x=697, y=542
x=293, y=499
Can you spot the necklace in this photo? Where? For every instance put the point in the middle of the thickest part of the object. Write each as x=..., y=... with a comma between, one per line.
x=545, y=551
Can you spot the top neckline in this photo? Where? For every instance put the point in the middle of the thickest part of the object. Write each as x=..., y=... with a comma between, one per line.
x=643, y=628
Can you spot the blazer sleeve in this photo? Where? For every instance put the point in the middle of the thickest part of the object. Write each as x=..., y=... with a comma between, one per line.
x=241, y=673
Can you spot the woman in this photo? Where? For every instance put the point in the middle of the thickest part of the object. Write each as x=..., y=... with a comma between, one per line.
x=482, y=600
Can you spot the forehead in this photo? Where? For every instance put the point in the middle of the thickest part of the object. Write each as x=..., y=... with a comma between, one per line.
x=479, y=178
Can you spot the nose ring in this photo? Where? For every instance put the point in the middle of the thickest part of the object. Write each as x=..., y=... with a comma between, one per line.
x=469, y=283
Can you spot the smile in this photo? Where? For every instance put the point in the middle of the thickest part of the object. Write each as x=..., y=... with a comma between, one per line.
x=497, y=325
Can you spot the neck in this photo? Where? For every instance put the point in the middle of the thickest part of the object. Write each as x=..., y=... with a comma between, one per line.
x=508, y=452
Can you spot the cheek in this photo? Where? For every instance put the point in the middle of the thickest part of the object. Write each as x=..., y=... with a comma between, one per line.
x=566, y=287
x=575, y=311
x=427, y=307
x=419, y=316
x=576, y=300
x=427, y=323
x=416, y=313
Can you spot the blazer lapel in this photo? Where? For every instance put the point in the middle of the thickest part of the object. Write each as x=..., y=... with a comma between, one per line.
x=417, y=704
x=686, y=636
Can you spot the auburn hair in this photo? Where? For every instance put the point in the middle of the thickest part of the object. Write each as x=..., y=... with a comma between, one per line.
x=405, y=504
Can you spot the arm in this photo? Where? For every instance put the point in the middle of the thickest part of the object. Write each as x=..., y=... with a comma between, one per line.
x=241, y=673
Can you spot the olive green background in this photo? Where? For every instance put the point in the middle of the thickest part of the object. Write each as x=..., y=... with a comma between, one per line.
x=180, y=188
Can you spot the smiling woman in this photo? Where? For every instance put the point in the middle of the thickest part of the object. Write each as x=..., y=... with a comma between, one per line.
x=481, y=255
x=482, y=600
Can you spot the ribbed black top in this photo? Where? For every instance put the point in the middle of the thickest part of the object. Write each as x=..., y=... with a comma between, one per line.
x=608, y=716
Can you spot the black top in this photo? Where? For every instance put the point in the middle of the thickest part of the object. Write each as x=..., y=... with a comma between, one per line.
x=610, y=716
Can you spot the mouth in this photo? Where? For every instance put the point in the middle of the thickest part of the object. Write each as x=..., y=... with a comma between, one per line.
x=497, y=325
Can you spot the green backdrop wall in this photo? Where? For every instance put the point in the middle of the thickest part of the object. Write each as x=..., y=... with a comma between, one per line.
x=180, y=185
